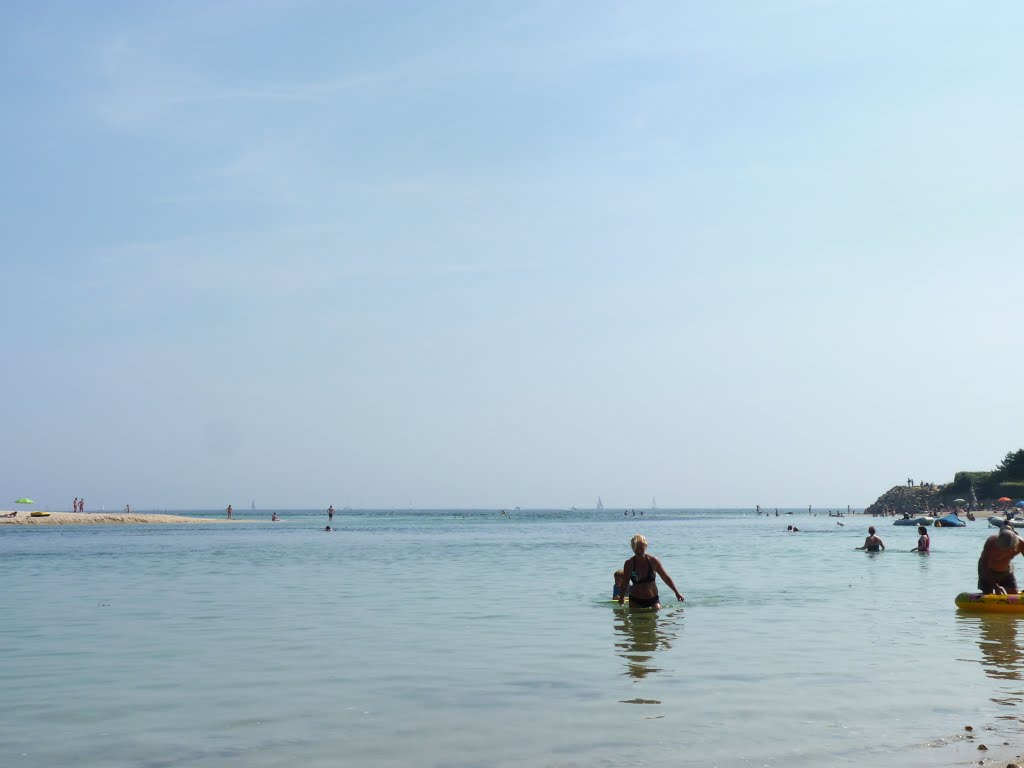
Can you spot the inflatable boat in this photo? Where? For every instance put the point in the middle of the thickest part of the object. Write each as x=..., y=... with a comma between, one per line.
x=919, y=520
x=979, y=603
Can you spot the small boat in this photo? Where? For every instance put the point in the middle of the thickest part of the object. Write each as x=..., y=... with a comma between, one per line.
x=950, y=521
x=919, y=520
x=38, y=514
x=979, y=603
x=999, y=522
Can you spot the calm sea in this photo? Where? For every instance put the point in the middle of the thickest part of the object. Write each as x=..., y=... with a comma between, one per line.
x=471, y=638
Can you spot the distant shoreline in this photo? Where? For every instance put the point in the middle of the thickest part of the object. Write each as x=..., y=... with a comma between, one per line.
x=108, y=518
x=135, y=518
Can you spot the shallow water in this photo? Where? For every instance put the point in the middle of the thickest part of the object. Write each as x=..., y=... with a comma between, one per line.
x=455, y=638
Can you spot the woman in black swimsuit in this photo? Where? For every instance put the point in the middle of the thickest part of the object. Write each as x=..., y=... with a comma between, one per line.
x=873, y=543
x=643, y=569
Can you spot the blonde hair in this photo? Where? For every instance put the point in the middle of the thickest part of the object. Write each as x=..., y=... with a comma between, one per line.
x=638, y=538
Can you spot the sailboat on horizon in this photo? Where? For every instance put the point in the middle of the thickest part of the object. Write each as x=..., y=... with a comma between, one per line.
x=600, y=504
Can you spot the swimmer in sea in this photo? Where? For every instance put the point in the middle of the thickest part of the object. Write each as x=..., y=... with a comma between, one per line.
x=643, y=569
x=924, y=542
x=872, y=543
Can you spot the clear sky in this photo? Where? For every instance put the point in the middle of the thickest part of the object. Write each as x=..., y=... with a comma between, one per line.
x=508, y=253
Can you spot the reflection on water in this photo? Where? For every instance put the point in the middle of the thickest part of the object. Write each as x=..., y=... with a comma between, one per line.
x=1000, y=650
x=640, y=635
x=1002, y=658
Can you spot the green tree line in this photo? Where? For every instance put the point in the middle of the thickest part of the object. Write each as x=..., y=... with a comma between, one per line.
x=1005, y=480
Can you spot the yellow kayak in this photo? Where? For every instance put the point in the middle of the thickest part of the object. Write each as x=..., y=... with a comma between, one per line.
x=38, y=514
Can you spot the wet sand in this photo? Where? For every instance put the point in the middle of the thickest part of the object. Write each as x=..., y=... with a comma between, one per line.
x=106, y=518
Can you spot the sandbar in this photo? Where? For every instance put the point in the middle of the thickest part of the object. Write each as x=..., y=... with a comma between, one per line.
x=107, y=518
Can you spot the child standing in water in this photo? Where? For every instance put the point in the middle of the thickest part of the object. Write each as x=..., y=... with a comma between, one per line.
x=621, y=585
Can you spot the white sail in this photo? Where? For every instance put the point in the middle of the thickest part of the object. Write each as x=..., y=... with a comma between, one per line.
x=600, y=505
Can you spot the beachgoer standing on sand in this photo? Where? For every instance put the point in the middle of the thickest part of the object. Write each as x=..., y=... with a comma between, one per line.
x=642, y=569
x=330, y=512
x=74, y=505
x=872, y=543
x=230, y=511
x=995, y=571
x=924, y=543
x=81, y=505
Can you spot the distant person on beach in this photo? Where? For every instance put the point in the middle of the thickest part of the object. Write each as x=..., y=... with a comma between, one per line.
x=127, y=509
x=330, y=512
x=995, y=569
x=873, y=543
x=643, y=569
x=74, y=505
x=924, y=542
x=81, y=505
x=230, y=511
x=274, y=518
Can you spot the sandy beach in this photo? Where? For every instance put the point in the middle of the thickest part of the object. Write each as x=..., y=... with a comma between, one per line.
x=102, y=518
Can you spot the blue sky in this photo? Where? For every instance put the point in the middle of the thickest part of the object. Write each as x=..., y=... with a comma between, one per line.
x=500, y=254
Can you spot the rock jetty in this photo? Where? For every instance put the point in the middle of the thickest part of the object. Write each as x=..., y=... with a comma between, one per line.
x=907, y=498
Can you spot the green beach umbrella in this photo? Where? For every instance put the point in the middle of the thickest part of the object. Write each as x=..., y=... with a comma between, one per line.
x=24, y=501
